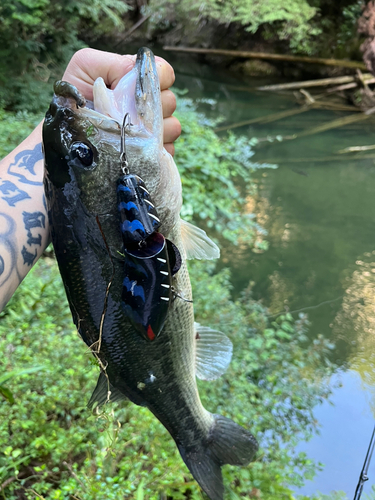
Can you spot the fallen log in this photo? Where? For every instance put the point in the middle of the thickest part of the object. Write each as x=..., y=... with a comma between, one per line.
x=275, y=57
x=322, y=82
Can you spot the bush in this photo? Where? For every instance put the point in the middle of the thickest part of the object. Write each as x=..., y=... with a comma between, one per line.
x=291, y=20
x=37, y=36
x=14, y=128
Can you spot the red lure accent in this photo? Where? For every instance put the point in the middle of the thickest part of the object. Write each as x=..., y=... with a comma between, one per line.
x=150, y=334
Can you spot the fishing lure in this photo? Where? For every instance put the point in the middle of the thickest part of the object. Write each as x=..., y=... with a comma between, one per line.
x=150, y=259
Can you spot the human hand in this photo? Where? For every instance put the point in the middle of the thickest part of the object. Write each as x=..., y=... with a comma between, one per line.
x=88, y=64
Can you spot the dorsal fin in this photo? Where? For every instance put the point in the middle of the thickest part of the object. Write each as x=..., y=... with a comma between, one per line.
x=197, y=244
x=213, y=353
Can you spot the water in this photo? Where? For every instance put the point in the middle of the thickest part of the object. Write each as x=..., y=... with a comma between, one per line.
x=318, y=209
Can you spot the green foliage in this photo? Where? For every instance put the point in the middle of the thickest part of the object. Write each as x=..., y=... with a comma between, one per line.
x=348, y=26
x=212, y=170
x=319, y=27
x=51, y=444
x=4, y=391
x=14, y=128
x=38, y=35
x=290, y=20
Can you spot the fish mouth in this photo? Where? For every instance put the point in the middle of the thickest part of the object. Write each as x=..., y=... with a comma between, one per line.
x=64, y=90
x=137, y=94
x=73, y=124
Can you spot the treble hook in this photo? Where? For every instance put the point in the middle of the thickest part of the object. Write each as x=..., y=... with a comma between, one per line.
x=123, y=159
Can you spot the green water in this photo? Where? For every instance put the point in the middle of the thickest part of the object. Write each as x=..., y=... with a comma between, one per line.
x=318, y=208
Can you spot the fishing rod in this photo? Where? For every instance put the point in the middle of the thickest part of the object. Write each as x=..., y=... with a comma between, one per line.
x=363, y=476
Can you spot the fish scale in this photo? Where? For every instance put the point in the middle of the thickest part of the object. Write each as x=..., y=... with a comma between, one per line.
x=82, y=167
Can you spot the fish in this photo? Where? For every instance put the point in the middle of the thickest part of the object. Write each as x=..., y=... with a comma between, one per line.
x=90, y=149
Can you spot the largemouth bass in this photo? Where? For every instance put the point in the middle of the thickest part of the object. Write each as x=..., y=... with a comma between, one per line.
x=84, y=148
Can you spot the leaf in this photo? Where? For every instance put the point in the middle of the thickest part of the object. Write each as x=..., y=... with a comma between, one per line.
x=20, y=373
x=5, y=392
x=140, y=493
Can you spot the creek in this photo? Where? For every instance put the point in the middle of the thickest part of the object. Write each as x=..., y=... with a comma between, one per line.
x=318, y=210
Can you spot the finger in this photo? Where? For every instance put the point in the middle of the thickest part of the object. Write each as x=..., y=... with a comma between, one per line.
x=170, y=148
x=87, y=65
x=171, y=129
x=168, y=102
x=165, y=72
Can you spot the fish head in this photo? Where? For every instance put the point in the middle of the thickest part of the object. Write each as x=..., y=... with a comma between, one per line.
x=82, y=143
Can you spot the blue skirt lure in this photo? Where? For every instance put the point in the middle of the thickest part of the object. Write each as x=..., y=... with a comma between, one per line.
x=150, y=259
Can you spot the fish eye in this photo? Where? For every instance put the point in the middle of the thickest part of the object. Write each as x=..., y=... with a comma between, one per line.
x=83, y=152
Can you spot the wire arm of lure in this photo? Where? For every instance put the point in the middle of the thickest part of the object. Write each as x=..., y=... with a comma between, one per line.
x=176, y=294
x=123, y=158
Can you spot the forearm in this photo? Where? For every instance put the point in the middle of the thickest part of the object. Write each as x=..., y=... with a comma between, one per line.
x=24, y=229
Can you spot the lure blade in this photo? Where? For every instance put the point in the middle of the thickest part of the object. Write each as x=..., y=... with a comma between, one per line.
x=150, y=247
x=175, y=259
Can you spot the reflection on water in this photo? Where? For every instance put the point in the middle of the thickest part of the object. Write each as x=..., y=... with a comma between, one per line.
x=355, y=321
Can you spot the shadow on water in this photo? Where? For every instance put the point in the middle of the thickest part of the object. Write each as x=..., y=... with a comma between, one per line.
x=318, y=209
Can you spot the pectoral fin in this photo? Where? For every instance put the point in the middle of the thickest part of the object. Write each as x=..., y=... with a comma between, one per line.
x=197, y=244
x=213, y=353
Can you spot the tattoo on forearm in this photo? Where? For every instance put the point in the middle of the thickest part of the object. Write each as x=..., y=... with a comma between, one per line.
x=28, y=257
x=23, y=171
x=23, y=166
x=8, y=248
x=32, y=221
x=11, y=193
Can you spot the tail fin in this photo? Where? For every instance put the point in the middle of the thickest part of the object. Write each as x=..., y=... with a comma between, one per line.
x=227, y=443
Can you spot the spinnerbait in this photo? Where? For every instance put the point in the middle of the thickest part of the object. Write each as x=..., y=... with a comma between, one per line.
x=150, y=259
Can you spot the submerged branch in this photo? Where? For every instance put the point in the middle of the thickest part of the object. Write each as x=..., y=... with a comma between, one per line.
x=265, y=119
x=340, y=122
x=354, y=149
x=311, y=104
